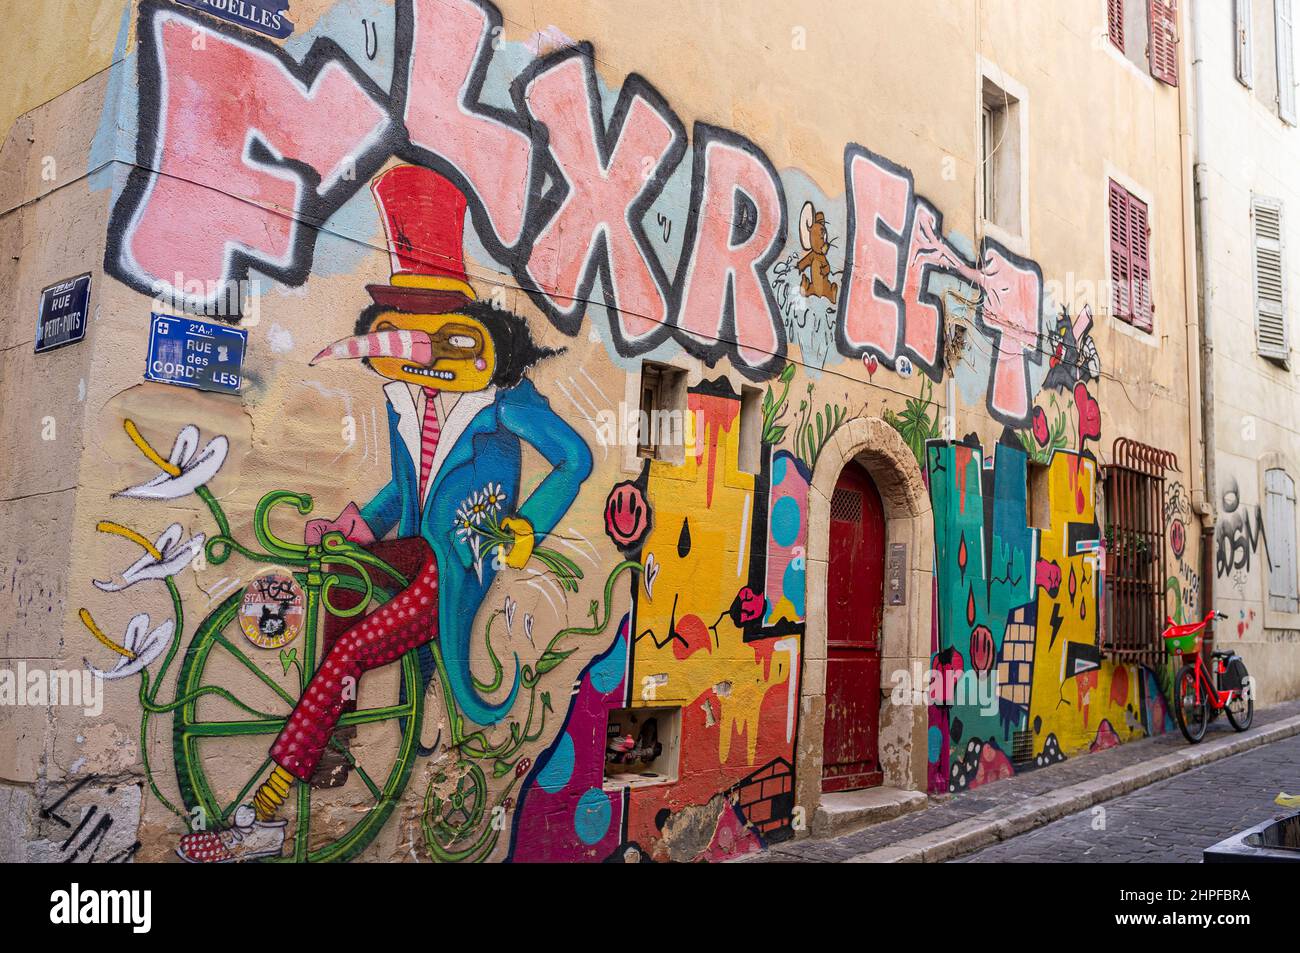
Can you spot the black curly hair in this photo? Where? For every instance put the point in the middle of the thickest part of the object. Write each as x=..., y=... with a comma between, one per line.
x=516, y=351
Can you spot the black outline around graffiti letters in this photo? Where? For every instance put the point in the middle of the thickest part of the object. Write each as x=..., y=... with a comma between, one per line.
x=543, y=210
x=470, y=99
x=995, y=334
x=892, y=294
x=541, y=202
x=703, y=136
x=314, y=207
x=924, y=296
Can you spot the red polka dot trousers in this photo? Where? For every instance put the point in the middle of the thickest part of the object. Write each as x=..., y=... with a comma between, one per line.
x=405, y=622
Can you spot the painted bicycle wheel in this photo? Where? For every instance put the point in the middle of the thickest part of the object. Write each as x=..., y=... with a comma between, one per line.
x=212, y=729
x=451, y=820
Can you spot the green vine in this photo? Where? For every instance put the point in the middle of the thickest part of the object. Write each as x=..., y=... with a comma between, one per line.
x=774, y=407
x=815, y=429
x=436, y=821
x=914, y=423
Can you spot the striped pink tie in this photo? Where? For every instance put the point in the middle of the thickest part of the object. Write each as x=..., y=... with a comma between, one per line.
x=428, y=437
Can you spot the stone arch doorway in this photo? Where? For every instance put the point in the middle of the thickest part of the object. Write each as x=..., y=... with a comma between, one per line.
x=905, y=623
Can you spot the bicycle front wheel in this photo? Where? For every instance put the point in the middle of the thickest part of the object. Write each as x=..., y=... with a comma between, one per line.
x=1191, y=710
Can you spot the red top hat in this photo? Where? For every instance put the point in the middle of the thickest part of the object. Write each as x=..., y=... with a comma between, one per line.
x=424, y=221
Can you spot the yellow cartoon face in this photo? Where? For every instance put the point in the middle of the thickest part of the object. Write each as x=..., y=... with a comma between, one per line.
x=461, y=352
x=452, y=352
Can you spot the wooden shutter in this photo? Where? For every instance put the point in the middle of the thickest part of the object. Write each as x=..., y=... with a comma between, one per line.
x=1285, y=60
x=1162, y=47
x=1115, y=22
x=1245, y=43
x=1139, y=244
x=1120, y=273
x=1271, y=330
x=1279, y=540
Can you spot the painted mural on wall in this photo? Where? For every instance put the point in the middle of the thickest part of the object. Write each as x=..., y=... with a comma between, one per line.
x=499, y=587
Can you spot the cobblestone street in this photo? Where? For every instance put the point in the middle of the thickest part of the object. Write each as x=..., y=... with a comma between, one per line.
x=1170, y=821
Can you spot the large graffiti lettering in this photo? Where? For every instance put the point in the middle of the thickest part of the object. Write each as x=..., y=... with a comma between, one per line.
x=539, y=177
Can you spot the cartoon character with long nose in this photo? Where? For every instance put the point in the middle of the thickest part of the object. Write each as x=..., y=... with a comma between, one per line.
x=460, y=411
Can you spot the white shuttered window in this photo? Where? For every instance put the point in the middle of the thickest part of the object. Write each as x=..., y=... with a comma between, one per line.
x=1285, y=60
x=1270, y=278
x=1279, y=540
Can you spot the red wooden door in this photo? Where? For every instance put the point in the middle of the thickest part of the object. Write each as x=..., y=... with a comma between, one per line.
x=855, y=595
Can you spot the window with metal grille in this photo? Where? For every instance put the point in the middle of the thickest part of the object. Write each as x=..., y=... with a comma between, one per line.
x=1279, y=540
x=846, y=506
x=1271, y=333
x=1130, y=258
x=1162, y=47
x=1135, y=551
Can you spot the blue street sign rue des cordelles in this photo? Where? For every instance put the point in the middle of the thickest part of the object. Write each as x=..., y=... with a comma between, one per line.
x=196, y=354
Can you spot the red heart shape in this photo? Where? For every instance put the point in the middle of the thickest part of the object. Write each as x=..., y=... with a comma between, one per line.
x=1089, y=413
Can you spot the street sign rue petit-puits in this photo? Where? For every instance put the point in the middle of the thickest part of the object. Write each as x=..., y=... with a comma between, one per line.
x=63, y=313
x=195, y=354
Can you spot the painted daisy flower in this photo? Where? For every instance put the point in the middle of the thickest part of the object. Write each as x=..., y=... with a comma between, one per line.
x=184, y=471
x=478, y=507
x=140, y=645
x=165, y=557
x=464, y=523
x=494, y=496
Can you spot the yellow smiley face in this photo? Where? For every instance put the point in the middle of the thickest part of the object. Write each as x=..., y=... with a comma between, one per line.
x=462, y=356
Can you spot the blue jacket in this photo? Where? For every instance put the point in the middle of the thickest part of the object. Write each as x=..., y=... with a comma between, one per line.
x=480, y=446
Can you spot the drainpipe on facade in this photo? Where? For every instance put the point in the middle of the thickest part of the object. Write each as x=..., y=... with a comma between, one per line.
x=1204, y=504
x=1197, y=405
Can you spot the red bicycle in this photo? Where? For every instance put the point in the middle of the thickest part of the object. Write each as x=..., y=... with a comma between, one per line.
x=1197, y=696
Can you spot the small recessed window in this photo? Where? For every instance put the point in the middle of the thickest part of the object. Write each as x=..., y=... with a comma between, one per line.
x=661, y=420
x=1037, y=496
x=642, y=746
x=751, y=429
x=1003, y=179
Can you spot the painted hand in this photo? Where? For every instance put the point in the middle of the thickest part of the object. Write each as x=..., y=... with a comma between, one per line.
x=350, y=523
x=522, y=550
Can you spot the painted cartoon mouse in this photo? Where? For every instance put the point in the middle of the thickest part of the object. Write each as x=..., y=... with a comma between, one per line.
x=816, y=243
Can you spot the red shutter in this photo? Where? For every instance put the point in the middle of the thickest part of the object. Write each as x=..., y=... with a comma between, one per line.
x=1163, y=45
x=1120, y=273
x=1115, y=22
x=1139, y=239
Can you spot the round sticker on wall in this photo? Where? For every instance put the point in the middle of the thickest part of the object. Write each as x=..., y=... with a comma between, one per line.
x=272, y=612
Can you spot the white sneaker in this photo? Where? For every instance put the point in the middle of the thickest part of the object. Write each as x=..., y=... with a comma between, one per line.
x=248, y=839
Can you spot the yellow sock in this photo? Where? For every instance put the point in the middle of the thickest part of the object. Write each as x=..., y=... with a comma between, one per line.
x=272, y=793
